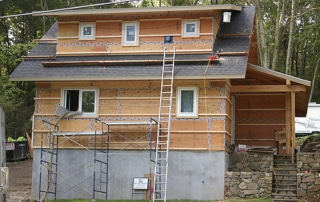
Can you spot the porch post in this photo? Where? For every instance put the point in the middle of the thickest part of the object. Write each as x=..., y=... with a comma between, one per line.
x=288, y=122
x=293, y=115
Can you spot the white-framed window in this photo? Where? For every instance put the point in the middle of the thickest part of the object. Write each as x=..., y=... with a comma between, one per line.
x=81, y=100
x=187, y=101
x=87, y=31
x=190, y=28
x=130, y=33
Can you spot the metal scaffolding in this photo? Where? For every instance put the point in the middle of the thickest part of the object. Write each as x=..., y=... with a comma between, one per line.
x=51, y=178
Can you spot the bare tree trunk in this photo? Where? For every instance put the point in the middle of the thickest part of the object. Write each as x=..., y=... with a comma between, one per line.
x=278, y=33
x=290, y=43
x=263, y=47
x=314, y=79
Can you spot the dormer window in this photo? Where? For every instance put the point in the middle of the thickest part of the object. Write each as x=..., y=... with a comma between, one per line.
x=190, y=28
x=130, y=34
x=87, y=31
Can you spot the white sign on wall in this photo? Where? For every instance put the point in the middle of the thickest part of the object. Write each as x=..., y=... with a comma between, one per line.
x=140, y=183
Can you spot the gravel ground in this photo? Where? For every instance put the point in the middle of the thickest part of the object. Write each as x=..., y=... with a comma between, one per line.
x=20, y=174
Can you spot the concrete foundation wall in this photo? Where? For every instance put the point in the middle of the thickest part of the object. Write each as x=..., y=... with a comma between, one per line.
x=192, y=175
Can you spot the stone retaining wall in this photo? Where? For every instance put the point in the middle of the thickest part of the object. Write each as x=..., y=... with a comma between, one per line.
x=308, y=177
x=250, y=162
x=249, y=175
x=247, y=184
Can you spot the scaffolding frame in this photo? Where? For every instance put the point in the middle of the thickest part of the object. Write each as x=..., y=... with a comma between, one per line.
x=100, y=165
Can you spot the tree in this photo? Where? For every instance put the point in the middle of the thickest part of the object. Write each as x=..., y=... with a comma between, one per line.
x=16, y=98
x=263, y=47
x=281, y=11
x=290, y=43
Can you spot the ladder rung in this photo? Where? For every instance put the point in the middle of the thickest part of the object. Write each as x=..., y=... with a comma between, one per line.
x=47, y=162
x=161, y=182
x=159, y=174
x=162, y=151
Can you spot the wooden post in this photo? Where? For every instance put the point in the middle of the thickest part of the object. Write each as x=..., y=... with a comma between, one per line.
x=293, y=115
x=288, y=118
x=288, y=122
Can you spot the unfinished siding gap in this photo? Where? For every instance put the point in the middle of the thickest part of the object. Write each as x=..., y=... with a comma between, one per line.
x=67, y=37
x=158, y=19
x=47, y=98
x=158, y=35
x=68, y=22
x=109, y=21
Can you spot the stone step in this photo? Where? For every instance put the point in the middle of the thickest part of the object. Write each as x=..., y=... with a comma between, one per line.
x=285, y=174
x=291, y=186
x=284, y=164
x=285, y=168
x=276, y=174
x=283, y=199
x=285, y=184
x=277, y=189
x=282, y=195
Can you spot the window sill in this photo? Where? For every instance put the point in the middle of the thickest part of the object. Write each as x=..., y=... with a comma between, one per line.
x=187, y=116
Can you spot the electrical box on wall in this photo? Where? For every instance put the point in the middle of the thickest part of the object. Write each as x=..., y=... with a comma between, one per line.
x=168, y=39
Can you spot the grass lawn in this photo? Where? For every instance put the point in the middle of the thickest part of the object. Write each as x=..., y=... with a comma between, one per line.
x=229, y=200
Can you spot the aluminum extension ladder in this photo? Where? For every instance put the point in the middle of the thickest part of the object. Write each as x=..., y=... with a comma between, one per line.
x=164, y=125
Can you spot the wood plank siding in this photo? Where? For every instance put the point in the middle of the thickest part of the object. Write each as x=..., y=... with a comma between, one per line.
x=130, y=101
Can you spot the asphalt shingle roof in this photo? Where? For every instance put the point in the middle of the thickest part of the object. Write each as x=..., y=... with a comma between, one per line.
x=32, y=69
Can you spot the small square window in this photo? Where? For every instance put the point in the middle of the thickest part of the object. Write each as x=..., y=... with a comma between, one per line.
x=83, y=100
x=130, y=34
x=190, y=28
x=87, y=31
x=187, y=101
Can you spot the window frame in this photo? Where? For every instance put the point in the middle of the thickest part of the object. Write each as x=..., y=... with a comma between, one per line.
x=195, y=102
x=81, y=90
x=87, y=37
x=196, y=32
x=125, y=41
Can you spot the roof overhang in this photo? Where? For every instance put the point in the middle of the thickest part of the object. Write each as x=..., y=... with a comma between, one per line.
x=279, y=75
x=154, y=10
x=300, y=87
x=123, y=78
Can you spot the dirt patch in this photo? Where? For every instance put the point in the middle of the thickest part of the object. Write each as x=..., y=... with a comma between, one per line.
x=20, y=174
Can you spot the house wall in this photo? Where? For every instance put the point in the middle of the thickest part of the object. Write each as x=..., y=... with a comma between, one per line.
x=197, y=149
x=193, y=175
x=152, y=29
x=210, y=130
x=257, y=118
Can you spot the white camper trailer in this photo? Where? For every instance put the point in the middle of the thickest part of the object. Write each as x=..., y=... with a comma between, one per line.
x=309, y=124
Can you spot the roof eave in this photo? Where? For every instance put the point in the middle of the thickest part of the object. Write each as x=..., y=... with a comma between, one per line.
x=279, y=74
x=147, y=77
x=138, y=10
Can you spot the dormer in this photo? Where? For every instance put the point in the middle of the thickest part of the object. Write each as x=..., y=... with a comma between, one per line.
x=191, y=29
